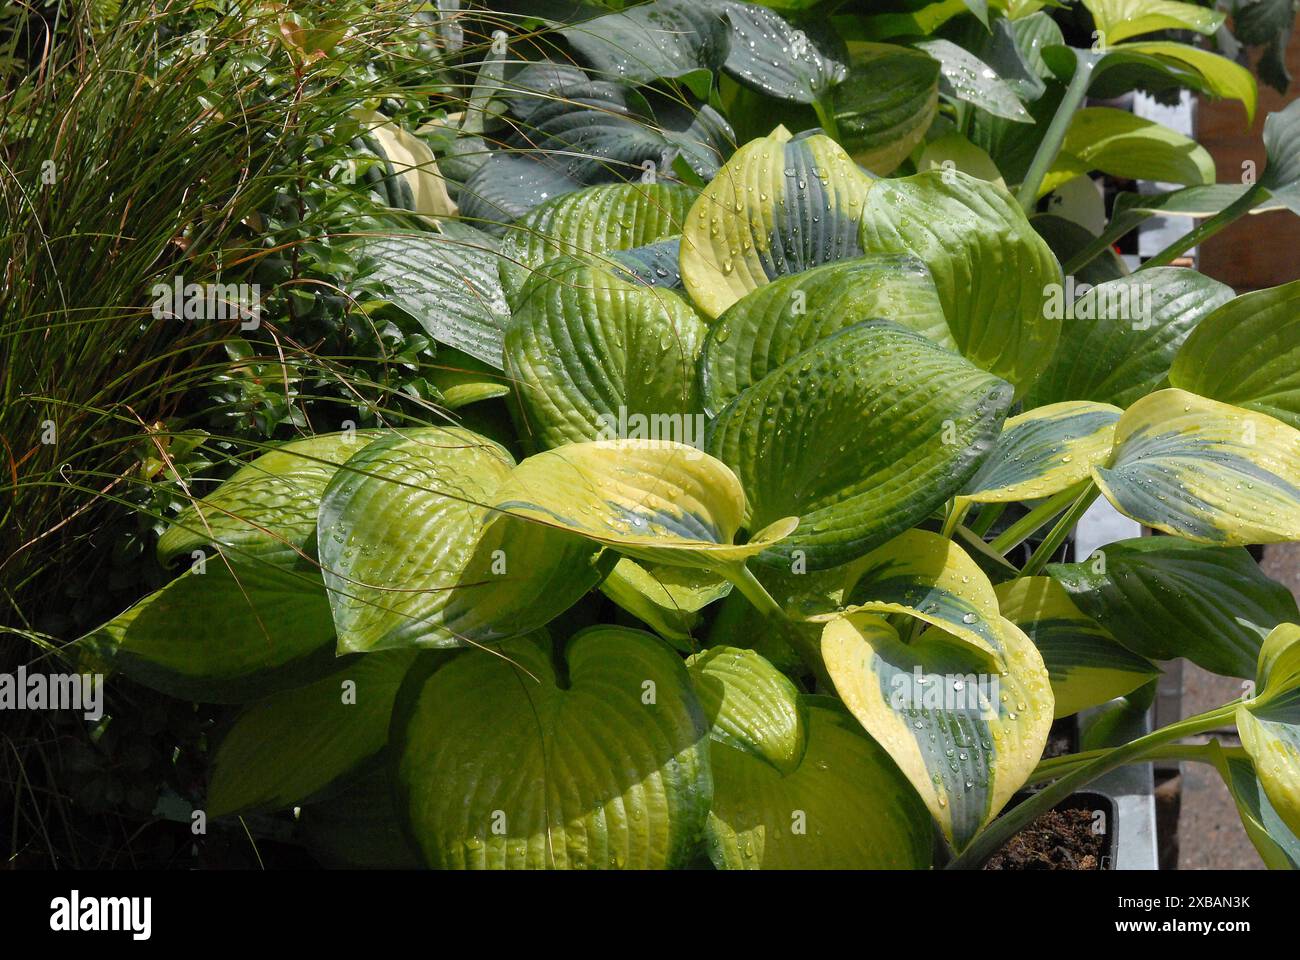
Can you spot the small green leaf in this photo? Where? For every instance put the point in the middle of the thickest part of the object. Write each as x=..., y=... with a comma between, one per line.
x=969, y=79
x=886, y=105
x=1120, y=19
x=666, y=598
x=751, y=706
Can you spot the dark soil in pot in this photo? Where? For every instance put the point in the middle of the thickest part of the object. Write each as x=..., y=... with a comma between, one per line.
x=1063, y=838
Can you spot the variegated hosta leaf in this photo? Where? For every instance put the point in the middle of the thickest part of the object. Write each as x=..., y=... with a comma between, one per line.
x=503, y=765
x=795, y=782
x=886, y=104
x=991, y=268
x=780, y=205
x=406, y=558
x=655, y=264
x=1269, y=723
x=967, y=740
x=666, y=598
x=592, y=221
x=267, y=508
x=234, y=632
x=1122, y=335
x=1085, y=664
x=1205, y=470
x=1163, y=597
x=927, y=576
x=595, y=357
x=420, y=187
x=1278, y=845
x=288, y=747
x=652, y=500
x=767, y=54
x=667, y=39
x=1044, y=451
x=768, y=326
x=1247, y=353
x=862, y=435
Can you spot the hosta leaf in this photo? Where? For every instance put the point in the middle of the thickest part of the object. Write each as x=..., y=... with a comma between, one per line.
x=886, y=104
x=779, y=205
x=1219, y=76
x=421, y=188
x=1033, y=33
x=667, y=39
x=654, y=264
x=503, y=765
x=666, y=598
x=285, y=749
x=1281, y=177
x=1124, y=335
x=652, y=500
x=967, y=78
x=861, y=436
x=1247, y=353
x=406, y=562
x=1127, y=146
x=767, y=54
x=1205, y=470
x=845, y=806
x=267, y=508
x=1085, y=664
x=966, y=740
x=1269, y=723
x=751, y=706
x=1120, y=19
x=593, y=356
x=507, y=186
x=1044, y=451
x=991, y=268
x=449, y=285
x=1278, y=846
x=780, y=640
x=592, y=221
x=357, y=827
x=234, y=632
x=769, y=326
x=1164, y=598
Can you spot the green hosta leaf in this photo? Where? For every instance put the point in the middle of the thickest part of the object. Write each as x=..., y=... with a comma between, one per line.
x=781, y=640
x=769, y=326
x=1120, y=19
x=592, y=221
x=267, y=508
x=357, y=827
x=1278, y=670
x=767, y=54
x=861, y=436
x=667, y=39
x=1219, y=76
x=1282, y=143
x=1085, y=664
x=780, y=205
x=954, y=152
x=886, y=105
x=406, y=559
x=652, y=500
x=594, y=357
x=234, y=632
x=1164, y=598
x=1044, y=451
x=966, y=740
x=1122, y=335
x=845, y=806
x=1278, y=846
x=751, y=706
x=653, y=265
x=503, y=765
x=1205, y=470
x=1127, y=146
x=285, y=749
x=461, y=380
x=1269, y=723
x=667, y=598
x=967, y=78
x=990, y=267
x=1033, y=33
x=449, y=285
x=1247, y=353
x=924, y=575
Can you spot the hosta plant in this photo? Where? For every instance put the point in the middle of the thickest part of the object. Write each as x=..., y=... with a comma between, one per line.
x=726, y=568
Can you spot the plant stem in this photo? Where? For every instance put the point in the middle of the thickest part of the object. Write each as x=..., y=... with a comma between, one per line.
x=1005, y=827
x=826, y=117
x=1050, y=145
x=955, y=517
x=754, y=591
x=1114, y=232
x=1060, y=766
x=1043, y=553
x=1206, y=228
x=988, y=516
x=1030, y=523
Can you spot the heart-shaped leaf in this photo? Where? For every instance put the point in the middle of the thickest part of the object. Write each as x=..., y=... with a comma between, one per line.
x=861, y=436
x=990, y=267
x=501, y=764
x=1085, y=664
x=1205, y=470
x=772, y=324
x=1163, y=597
x=885, y=106
x=597, y=357
x=780, y=205
x=767, y=54
x=1247, y=353
x=1123, y=335
x=967, y=740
